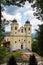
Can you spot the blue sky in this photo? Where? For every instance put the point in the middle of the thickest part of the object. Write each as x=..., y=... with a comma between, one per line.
x=21, y=14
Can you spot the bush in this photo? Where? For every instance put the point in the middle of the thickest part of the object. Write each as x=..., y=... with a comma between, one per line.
x=12, y=61
x=32, y=60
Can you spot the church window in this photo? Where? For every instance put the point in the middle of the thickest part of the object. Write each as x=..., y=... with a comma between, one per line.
x=19, y=40
x=28, y=41
x=29, y=28
x=15, y=42
x=15, y=28
x=21, y=30
x=24, y=40
x=25, y=29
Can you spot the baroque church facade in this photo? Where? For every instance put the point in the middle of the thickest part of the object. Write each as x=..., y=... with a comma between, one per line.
x=20, y=38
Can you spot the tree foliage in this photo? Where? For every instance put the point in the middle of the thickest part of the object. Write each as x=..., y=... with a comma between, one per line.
x=34, y=46
x=37, y=46
x=2, y=54
x=15, y=2
x=40, y=39
x=39, y=9
x=12, y=61
x=32, y=60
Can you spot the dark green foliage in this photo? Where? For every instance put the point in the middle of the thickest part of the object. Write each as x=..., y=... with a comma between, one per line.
x=37, y=45
x=40, y=39
x=2, y=48
x=2, y=54
x=12, y=61
x=39, y=10
x=32, y=60
x=34, y=46
x=14, y=2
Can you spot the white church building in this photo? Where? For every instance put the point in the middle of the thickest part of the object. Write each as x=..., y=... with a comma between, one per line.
x=20, y=38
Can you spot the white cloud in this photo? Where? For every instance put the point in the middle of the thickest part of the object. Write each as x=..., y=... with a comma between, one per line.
x=29, y=14
x=35, y=23
x=27, y=4
x=7, y=28
x=7, y=16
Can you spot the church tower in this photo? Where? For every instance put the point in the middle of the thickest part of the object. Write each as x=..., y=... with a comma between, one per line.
x=27, y=28
x=14, y=32
x=14, y=27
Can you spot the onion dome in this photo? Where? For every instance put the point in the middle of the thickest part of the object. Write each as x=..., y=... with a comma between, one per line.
x=27, y=22
x=14, y=21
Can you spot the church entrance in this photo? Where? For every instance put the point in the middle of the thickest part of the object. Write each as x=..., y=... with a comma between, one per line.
x=21, y=46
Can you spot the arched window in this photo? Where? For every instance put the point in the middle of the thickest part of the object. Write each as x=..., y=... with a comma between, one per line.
x=29, y=28
x=15, y=41
x=22, y=30
x=15, y=28
x=25, y=29
x=28, y=41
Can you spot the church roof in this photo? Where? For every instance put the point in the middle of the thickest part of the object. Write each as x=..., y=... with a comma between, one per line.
x=27, y=22
x=14, y=20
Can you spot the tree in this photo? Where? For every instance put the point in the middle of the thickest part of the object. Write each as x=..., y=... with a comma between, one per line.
x=34, y=45
x=2, y=48
x=39, y=38
x=37, y=45
x=12, y=61
x=39, y=9
x=15, y=2
x=32, y=60
x=2, y=54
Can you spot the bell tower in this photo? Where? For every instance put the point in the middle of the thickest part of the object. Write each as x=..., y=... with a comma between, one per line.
x=14, y=27
x=27, y=28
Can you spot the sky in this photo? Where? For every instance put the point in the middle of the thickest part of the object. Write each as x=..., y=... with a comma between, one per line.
x=21, y=14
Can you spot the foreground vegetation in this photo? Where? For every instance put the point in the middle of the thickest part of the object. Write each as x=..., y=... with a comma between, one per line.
x=37, y=45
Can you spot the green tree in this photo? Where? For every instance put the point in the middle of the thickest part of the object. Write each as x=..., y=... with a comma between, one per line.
x=39, y=9
x=2, y=48
x=39, y=38
x=12, y=61
x=32, y=60
x=15, y=2
x=2, y=54
x=34, y=45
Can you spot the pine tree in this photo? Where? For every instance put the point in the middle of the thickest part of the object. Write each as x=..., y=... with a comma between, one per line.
x=32, y=60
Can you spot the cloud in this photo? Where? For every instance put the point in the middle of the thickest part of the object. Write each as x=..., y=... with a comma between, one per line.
x=8, y=28
x=29, y=14
x=11, y=17
x=35, y=23
x=7, y=16
x=27, y=4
